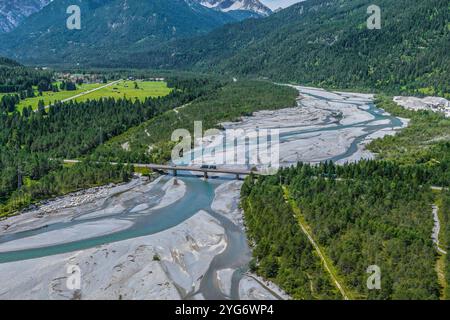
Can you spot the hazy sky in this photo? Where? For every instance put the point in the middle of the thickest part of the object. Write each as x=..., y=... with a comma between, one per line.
x=275, y=4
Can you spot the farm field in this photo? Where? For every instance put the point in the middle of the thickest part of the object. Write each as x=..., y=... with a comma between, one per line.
x=122, y=89
x=50, y=97
x=127, y=89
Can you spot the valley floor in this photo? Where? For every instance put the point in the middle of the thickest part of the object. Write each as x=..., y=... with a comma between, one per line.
x=177, y=238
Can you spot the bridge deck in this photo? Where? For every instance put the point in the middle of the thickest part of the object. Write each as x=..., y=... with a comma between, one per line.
x=193, y=169
x=182, y=168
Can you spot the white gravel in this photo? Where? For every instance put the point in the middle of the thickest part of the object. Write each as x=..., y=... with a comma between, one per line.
x=435, y=104
x=123, y=270
x=82, y=231
x=226, y=201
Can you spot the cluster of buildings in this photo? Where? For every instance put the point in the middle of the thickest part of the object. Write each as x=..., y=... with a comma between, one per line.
x=76, y=77
x=149, y=79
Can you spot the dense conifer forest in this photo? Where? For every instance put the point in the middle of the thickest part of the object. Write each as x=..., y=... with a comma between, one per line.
x=370, y=213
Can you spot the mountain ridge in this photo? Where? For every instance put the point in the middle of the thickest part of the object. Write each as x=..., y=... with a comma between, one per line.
x=237, y=5
x=327, y=43
x=107, y=25
x=13, y=12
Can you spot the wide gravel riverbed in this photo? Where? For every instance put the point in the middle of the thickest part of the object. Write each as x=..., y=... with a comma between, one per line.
x=175, y=238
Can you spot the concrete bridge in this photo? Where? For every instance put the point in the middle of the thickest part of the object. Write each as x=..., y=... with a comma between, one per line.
x=175, y=169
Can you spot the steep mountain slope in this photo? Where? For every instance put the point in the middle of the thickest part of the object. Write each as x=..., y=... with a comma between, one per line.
x=13, y=12
x=327, y=43
x=107, y=25
x=237, y=5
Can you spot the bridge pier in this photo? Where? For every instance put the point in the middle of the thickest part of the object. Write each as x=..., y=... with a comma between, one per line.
x=205, y=174
x=175, y=173
x=238, y=177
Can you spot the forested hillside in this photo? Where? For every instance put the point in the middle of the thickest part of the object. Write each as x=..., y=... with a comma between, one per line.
x=106, y=26
x=13, y=12
x=327, y=43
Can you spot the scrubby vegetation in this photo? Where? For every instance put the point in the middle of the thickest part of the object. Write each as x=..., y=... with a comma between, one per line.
x=424, y=144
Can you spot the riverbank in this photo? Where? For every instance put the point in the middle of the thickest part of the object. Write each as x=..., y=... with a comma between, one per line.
x=230, y=270
x=171, y=264
x=65, y=208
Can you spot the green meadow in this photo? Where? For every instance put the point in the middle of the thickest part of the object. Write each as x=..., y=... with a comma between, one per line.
x=128, y=90
x=124, y=89
x=50, y=97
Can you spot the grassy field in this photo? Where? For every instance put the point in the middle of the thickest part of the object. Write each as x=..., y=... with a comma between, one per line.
x=122, y=89
x=50, y=97
x=128, y=90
